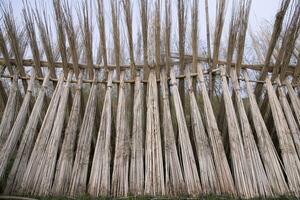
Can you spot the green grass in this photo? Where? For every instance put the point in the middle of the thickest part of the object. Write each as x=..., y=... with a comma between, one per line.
x=211, y=197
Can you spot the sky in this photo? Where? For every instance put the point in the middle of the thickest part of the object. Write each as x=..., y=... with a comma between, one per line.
x=262, y=11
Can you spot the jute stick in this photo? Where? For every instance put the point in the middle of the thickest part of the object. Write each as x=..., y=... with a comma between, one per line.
x=215, y=139
x=296, y=107
x=190, y=172
x=207, y=170
x=66, y=158
x=260, y=181
x=175, y=184
x=16, y=132
x=266, y=147
x=99, y=182
x=31, y=173
x=80, y=168
x=121, y=157
x=136, y=178
x=240, y=166
x=48, y=161
x=16, y=174
x=293, y=126
x=154, y=172
x=9, y=112
x=288, y=151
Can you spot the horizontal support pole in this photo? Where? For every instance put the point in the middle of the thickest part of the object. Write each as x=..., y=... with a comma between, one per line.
x=188, y=60
x=205, y=72
x=256, y=67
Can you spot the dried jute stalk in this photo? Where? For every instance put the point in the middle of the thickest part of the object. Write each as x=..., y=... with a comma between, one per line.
x=154, y=170
x=294, y=100
x=9, y=146
x=120, y=174
x=190, y=172
x=30, y=179
x=288, y=151
x=65, y=162
x=260, y=181
x=293, y=126
x=9, y=112
x=80, y=168
x=16, y=174
x=240, y=165
x=48, y=161
x=222, y=167
x=173, y=171
x=136, y=176
x=99, y=182
x=266, y=147
x=207, y=169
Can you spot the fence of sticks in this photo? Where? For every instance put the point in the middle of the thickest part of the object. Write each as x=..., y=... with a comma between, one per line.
x=127, y=115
